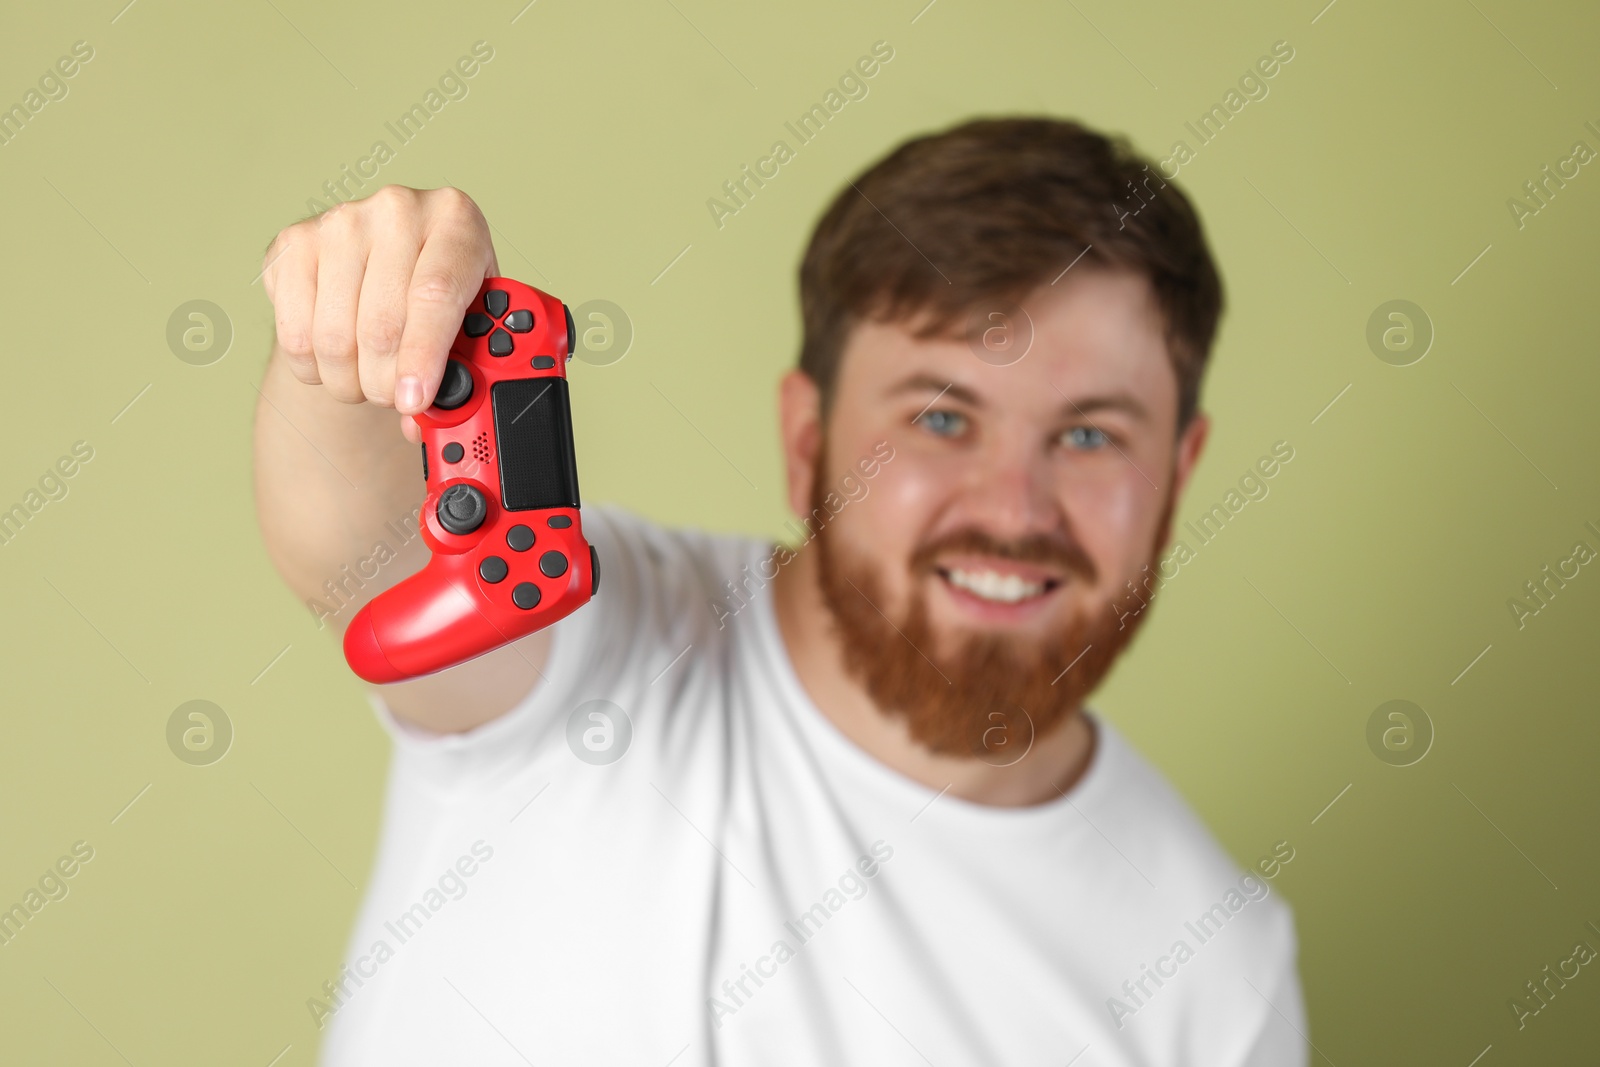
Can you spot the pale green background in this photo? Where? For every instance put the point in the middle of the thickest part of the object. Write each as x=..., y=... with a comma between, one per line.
x=1378, y=167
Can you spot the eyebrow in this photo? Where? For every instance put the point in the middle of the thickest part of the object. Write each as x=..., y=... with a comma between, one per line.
x=925, y=383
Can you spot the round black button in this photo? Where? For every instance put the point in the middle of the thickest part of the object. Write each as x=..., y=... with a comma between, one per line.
x=455, y=388
x=520, y=538
x=559, y=522
x=525, y=595
x=493, y=569
x=553, y=564
x=462, y=508
x=452, y=452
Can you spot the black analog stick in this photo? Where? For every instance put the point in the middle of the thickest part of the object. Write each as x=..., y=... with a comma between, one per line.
x=455, y=388
x=572, y=341
x=462, y=508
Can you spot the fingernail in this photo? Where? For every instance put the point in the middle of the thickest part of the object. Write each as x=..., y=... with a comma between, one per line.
x=408, y=393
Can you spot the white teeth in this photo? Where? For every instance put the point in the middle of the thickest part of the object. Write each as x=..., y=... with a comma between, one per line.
x=989, y=585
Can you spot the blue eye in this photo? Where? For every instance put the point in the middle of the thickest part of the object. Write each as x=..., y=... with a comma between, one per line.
x=1086, y=437
x=943, y=423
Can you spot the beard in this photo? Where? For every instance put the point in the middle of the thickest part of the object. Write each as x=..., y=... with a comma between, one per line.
x=989, y=695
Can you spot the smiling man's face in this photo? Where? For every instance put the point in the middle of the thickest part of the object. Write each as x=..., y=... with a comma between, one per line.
x=983, y=580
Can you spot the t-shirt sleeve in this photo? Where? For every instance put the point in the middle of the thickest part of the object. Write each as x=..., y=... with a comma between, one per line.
x=608, y=636
x=1280, y=1038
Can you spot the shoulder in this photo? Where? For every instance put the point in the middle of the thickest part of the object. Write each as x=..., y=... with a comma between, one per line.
x=640, y=555
x=1139, y=810
x=1223, y=927
x=659, y=582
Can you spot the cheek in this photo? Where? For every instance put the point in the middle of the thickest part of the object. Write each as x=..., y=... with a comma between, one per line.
x=1115, y=524
x=885, y=525
x=904, y=498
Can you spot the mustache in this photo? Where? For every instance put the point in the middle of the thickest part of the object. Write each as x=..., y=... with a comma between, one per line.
x=1041, y=549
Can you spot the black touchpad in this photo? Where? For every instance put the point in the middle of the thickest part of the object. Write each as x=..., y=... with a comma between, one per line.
x=533, y=421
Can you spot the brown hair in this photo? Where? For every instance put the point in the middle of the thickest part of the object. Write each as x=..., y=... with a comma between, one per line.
x=979, y=215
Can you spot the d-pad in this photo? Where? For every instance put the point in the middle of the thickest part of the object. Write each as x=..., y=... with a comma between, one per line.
x=495, y=305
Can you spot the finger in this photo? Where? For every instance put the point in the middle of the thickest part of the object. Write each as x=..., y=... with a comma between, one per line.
x=409, y=427
x=291, y=281
x=449, y=273
x=341, y=261
x=381, y=314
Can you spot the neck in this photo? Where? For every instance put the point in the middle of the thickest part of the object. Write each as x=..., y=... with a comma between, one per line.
x=1051, y=767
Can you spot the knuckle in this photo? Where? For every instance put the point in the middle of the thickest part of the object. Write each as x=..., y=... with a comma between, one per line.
x=453, y=203
x=433, y=288
x=334, y=344
x=394, y=195
x=380, y=332
x=285, y=238
x=295, y=343
x=338, y=222
x=293, y=337
x=392, y=200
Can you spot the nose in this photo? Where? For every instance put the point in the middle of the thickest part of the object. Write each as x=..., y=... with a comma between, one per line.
x=1011, y=490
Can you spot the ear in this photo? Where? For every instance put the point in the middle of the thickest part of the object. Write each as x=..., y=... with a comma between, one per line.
x=1186, y=456
x=1190, y=445
x=800, y=419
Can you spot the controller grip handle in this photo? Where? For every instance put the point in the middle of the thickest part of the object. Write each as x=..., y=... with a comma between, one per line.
x=433, y=620
x=424, y=623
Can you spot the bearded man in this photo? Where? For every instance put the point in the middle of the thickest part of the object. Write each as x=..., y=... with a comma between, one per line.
x=837, y=801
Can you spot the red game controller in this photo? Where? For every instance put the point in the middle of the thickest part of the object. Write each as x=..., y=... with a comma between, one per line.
x=501, y=514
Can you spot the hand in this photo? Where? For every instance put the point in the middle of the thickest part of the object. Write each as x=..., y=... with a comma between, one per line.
x=368, y=296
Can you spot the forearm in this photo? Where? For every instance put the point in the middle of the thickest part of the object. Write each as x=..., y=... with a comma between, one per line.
x=336, y=486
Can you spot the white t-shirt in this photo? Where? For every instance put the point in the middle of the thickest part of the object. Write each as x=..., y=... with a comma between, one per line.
x=743, y=885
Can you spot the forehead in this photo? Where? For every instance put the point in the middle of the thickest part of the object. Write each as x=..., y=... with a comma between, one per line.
x=1095, y=330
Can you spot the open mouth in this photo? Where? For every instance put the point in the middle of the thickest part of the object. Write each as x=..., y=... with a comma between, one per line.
x=997, y=587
